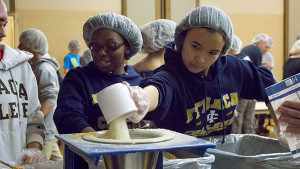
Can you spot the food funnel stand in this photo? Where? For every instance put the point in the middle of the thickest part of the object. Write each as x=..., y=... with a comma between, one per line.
x=91, y=151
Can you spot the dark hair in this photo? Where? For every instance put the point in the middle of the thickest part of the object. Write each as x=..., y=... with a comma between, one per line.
x=211, y=30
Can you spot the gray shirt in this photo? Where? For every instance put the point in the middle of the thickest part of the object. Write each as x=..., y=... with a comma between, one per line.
x=45, y=70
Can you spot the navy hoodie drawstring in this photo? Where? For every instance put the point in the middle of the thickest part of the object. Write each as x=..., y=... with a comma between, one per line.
x=204, y=105
x=220, y=92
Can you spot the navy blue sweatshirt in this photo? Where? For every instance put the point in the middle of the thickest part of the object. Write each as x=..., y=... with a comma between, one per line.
x=190, y=103
x=254, y=54
x=77, y=106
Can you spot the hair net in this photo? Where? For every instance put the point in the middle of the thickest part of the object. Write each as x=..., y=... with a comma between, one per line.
x=270, y=42
x=156, y=34
x=206, y=16
x=296, y=48
x=5, y=8
x=73, y=44
x=35, y=40
x=236, y=43
x=259, y=37
x=118, y=23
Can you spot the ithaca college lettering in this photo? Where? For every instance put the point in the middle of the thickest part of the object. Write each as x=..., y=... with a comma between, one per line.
x=9, y=90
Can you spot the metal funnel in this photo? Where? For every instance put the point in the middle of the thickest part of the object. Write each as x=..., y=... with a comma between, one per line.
x=139, y=160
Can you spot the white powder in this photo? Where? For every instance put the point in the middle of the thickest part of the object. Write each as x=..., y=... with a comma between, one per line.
x=118, y=129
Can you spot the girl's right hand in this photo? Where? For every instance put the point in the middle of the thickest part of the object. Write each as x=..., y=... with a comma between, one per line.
x=141, y=102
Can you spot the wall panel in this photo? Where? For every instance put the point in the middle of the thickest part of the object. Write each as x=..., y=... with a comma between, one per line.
x=60, y=20
x=250, y=18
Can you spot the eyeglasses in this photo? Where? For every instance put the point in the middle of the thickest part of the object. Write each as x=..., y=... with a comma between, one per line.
x=106, y=48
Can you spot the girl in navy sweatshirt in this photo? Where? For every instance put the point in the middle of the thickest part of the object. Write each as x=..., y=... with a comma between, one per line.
x=197, y=90
x=112, y=38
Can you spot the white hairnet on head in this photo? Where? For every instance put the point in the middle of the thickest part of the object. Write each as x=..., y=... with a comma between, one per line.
x=156, y=34
x=270, y=42
x=118, y=23
x=259, y=37
x=236, y=43
x=295, y=48
x=35, y=40
x=5, y=8
x=210, y=17
x=73, y=44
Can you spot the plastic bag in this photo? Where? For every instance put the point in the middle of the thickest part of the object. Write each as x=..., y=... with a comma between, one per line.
x=190, y=162
x=250, y=151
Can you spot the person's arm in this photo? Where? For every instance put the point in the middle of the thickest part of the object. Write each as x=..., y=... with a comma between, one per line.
x=34, y=144
x=268, y=64
x=35, y=119
x=35, y=134
x=87, y=130
x=46, y=107
x=145, y=100
x=66, y=71
x=254, y=80
x=291, y=115
x=152, y=95
x=67, y=64
x=36, y=130
x=48, y=87
x=69, y=115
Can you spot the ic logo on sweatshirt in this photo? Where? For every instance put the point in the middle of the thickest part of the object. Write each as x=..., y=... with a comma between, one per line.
x=212, y=116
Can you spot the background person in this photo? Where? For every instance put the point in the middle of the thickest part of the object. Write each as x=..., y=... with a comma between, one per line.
x=86, y=58
x=243, y=120
x=21, y=130
x=71, y=60
x=297, y=37
x=156, y=35
x=267, y=58
x=45, y=70
x=292, y=64
x=260, y=42
x=261, y=45
x=236, y=46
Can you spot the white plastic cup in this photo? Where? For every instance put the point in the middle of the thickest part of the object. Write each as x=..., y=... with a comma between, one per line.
x=115, y=101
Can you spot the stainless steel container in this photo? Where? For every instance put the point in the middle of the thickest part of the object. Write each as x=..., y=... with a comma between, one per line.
x=139, y=160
